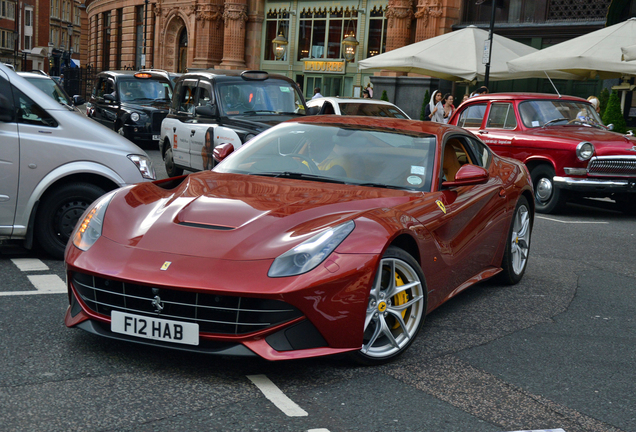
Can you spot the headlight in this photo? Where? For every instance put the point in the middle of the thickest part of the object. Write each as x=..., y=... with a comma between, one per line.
x=584, y=150
x=134, y=117
x=89, y=229
x=144, y=165
x=307, y=255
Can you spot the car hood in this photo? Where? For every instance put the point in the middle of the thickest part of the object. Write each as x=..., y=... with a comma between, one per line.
x=605, y=142
x=148, y=107
x=236, y=217
x=257, y=122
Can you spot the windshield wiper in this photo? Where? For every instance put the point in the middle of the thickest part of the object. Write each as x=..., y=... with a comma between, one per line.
x=555, y=120
x=299, y=176
x=260, y=111
x=380, y=185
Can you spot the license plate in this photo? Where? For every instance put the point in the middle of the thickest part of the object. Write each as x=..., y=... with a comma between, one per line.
x=156, y=137
x=154, y=328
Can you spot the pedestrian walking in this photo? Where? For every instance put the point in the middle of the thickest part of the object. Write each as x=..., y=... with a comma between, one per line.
x=317, y=93
x=449, y=108
x=436, y=108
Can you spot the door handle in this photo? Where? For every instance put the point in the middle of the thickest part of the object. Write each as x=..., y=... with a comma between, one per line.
x=483, y=132
x=192, y=132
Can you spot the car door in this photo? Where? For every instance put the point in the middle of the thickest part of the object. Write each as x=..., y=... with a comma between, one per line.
x=470, y=231
x=9, y=158
x=104, y=111
x=184, y=113
x=500, y=127
x=202, y=130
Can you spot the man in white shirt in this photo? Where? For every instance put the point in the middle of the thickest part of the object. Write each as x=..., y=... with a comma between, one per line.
x=317, y=93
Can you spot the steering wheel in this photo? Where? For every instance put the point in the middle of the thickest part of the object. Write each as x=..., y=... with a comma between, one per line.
x=309, y=163
x=575, y=121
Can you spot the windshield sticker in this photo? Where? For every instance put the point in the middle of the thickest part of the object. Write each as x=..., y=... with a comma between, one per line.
x=441, y=206
x=414, y=180
x=285, y=89
x=301, y=107
x=535, y=123
x=419, y=170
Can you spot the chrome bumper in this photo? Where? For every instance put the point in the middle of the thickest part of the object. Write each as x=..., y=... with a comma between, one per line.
x=599, y=185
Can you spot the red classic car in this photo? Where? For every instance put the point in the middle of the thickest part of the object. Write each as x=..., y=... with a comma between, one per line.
x=324, y=235
x=562, y=141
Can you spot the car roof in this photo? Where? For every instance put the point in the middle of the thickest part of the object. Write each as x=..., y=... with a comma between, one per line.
x=131, y=73
x=522, y=96
x=31, y=75
x=229, y=75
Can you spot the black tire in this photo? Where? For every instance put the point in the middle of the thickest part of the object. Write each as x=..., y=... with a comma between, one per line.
x=548, y=198
x=394, y=316
x=515, y=259
x=59, y=212
x=626, y=203
x=171, y=169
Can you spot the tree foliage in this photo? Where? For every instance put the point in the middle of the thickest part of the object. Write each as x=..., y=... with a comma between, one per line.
x=613, y=114
x=603, y=98
x=384, y=97
x=427, y=96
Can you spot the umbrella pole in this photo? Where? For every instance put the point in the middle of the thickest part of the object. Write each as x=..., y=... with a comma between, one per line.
x=490, y=37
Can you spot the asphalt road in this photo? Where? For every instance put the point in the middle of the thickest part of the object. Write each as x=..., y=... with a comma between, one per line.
x=556, y=351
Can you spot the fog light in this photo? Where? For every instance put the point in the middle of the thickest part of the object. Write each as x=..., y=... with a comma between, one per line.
x=575, y=171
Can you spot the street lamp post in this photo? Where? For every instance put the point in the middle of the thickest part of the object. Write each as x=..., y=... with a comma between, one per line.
x=70, y=42
x=143, y=57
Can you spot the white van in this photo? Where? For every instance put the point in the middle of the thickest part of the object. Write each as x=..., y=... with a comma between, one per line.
x=54, y=162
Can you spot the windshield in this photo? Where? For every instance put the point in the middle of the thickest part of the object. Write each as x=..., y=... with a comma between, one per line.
x=51, y=88
x=271, y=96
x=139, y=90
x=538, y=113
x=369, y=156
x=371, y=109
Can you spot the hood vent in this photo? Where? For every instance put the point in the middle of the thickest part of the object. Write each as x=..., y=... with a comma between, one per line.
x=212, y=227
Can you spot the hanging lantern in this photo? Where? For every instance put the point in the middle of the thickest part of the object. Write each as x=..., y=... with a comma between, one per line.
x=279, y=45
x=349, y=47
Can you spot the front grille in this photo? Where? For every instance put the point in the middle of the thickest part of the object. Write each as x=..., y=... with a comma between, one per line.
x=614, y=166
x=214, y=313
x=157, y=118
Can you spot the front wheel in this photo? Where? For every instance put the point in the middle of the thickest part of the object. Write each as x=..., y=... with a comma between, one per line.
x=59, y=212
x=396, y=308
x=548, y=198
x=171, y=169
x=515, y=259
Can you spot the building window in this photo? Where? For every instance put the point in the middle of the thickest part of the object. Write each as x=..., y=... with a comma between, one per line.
x=27, y=43
x=377, y=31
x=106, y=41
x=277, y=21
x=7, y=10
x=139, y=38
x=322, y=30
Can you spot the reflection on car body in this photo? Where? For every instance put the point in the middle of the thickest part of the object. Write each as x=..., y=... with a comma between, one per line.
x=324, y=235
x=356, y=106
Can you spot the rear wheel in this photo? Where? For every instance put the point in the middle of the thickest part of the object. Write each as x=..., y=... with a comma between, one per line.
x=59, y=212
x=396, y=309
x=515, y=257
x=171, y=169
x=548, y=198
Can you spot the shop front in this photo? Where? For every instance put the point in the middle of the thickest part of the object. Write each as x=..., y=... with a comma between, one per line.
x=318, y=44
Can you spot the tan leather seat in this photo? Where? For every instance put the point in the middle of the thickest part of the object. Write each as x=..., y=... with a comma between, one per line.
x=451, y=165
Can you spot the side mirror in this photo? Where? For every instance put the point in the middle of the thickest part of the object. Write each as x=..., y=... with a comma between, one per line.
x=610, y=126
x=222, y=151
x=468, y=175
x=314, y=110
x=206, y=111
x=78, y=100
x=110, y=98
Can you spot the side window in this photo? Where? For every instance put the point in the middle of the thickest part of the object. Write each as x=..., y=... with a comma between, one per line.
x=327, y=108
x=29, y=112
x=109, y=87
x=98, y=90
x=472, y=116
x=183, y=102
x=204, y=94
x=6, y=98
x=482, y=153
x=502, y=116
x=455, y=155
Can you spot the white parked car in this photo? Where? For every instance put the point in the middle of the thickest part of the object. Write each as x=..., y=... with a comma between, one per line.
x=357, y=107
x=55, y=163
x=51, y=88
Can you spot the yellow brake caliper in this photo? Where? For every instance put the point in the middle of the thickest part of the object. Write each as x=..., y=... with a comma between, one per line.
x=400, y=298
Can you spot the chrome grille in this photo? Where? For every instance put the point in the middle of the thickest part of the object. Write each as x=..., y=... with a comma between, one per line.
x=615, y=166
x=214, y=313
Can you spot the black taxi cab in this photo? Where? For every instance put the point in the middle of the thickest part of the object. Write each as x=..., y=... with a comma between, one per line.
x=131, y=103
x=213, y=107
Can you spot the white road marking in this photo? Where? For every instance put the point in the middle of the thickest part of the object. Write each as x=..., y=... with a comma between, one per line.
x=48, y=283
x=318, y=430
x=569, y=222
x=277, y=397
x=543, y=430
x=29, y=264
